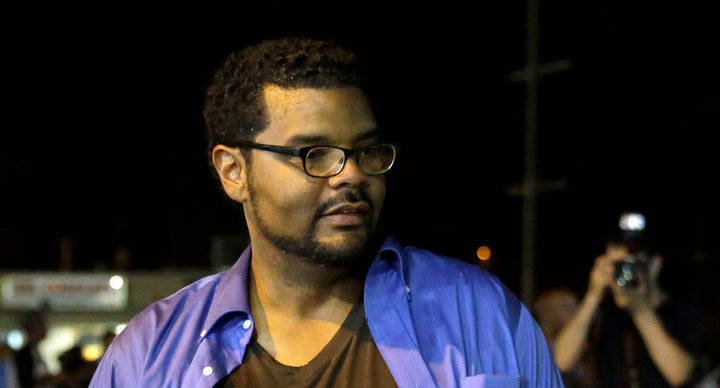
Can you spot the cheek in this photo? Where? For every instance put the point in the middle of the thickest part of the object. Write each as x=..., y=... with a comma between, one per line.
x=377, y=194
x=282, y=197
x=378, y=189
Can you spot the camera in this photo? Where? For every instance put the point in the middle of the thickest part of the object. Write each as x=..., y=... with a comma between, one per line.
x=627, y=271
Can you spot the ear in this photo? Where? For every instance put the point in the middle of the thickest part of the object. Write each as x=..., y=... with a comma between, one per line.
x=231, y=167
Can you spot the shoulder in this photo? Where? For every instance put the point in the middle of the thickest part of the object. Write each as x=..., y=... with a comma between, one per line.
x=449, y=269
x=160, y=321
x=161, y=337
x=451, y=278
x=184, y=302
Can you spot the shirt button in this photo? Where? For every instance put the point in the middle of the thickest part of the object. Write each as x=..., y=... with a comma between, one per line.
x=202, y=333
x=247, y=324
x=207, y=371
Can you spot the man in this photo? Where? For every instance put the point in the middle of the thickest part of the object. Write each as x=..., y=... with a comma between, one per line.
x=641, y=336
x=321, y=297
x=32, y=371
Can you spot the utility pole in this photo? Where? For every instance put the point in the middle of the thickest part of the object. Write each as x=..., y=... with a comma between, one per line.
x=531, y=186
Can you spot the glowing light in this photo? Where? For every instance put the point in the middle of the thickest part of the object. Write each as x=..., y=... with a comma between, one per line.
x=632, y=221
x=119, y=328
x=483, y=253
x=117, y=282
x=16, y=339
x=92, y=352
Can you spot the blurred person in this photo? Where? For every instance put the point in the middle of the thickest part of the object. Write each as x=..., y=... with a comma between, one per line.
x=31, y=367
x=553, y=308
x=108, y=338
x=322, y=295
x=638, y=336
x=75, y=370
x=8, y=371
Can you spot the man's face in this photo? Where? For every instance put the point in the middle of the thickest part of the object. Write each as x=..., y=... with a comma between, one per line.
x=326, y=220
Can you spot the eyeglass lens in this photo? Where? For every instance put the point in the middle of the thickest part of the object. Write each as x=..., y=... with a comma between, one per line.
x=328, y=161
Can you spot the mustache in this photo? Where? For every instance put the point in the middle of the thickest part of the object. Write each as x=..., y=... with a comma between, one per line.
x=351, y=195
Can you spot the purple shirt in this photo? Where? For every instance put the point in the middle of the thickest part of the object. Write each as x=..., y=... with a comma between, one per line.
x=437, y=321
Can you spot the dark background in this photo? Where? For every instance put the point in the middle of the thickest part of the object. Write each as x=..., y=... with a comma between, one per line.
x=103, y=140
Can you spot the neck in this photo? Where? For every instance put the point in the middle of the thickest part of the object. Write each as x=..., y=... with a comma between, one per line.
x=292, y=285
x=288, y=297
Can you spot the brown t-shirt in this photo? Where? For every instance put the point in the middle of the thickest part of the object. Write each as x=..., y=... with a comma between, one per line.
x=350, y=359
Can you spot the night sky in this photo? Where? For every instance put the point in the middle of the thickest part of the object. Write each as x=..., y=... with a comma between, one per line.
x=103, y=137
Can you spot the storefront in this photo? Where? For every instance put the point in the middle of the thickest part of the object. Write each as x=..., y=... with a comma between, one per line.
x=80, y=308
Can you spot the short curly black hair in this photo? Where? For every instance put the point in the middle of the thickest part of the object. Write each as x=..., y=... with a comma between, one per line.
x=234, y=110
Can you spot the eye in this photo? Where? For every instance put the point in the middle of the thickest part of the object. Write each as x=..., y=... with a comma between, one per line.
x=319, y=153
x=370, y=151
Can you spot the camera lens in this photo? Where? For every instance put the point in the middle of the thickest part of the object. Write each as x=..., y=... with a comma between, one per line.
x=625, y=274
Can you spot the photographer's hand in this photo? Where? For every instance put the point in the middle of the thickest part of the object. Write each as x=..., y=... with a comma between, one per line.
x=601, y=275
x=636, y=298
x=628, y=297
x=671, y=358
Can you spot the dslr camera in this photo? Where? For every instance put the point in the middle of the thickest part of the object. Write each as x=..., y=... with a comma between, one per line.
x=627, y=271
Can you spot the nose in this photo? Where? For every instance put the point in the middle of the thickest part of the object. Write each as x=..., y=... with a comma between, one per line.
x=350, y=172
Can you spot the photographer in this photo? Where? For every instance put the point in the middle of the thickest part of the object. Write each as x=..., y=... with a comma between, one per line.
x=638, y=337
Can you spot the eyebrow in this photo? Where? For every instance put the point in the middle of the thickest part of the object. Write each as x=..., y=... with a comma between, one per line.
x=373, y=133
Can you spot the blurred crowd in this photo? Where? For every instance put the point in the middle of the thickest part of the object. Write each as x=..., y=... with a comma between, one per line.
x=26, y=367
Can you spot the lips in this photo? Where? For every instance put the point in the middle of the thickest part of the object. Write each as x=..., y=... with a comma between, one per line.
x=359, y=208
x=347, y=215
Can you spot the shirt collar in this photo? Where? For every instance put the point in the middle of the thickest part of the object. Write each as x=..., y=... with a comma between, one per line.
x=231, y=291
x=395, y=256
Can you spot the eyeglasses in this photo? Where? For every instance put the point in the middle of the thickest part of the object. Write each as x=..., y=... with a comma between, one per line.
x=326, y=161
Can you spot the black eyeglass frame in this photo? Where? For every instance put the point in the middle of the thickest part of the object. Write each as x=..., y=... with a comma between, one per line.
x=302, y=152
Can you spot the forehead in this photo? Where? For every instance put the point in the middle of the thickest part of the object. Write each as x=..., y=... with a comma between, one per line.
x=332, y=114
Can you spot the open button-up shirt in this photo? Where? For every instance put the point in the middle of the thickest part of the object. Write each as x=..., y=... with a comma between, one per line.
x=437, y=321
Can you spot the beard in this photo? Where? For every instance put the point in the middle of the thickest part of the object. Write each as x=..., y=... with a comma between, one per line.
x=354, y=253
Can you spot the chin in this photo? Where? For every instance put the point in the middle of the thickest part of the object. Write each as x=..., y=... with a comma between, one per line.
x=346, y=242
x=343, y=251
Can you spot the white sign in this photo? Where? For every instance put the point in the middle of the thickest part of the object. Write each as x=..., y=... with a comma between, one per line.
x=63, y=291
